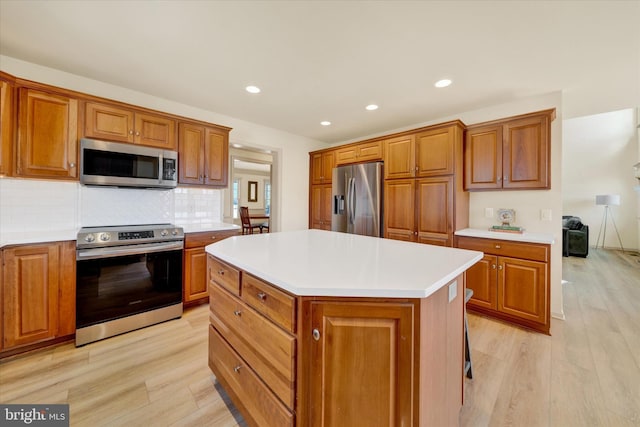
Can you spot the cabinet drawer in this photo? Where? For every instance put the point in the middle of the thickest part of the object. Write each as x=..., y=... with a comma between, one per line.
x=269, y=350
x=223, y=274
x=262, y=406
x=531, y=251
x=273, y=303
x=194, y=240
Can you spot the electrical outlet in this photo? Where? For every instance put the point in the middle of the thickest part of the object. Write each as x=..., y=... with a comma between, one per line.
x=453, y=290
x=488, y=212
x=545, y=214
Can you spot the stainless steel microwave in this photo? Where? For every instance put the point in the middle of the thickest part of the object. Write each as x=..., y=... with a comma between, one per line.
x=127, y=165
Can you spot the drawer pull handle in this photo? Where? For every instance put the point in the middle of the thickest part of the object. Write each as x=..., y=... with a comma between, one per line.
x=237, y=369
x=316, y=334
x=237, y=313
x=498, y=246
x=221, y=272
x=262, y=296
x=213, y=237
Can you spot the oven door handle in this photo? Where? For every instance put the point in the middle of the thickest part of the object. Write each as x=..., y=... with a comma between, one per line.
x=82, y=254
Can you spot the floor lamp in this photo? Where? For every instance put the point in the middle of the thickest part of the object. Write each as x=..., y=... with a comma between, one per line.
x=607, y=200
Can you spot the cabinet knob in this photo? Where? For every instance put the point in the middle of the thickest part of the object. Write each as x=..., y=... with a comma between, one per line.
x=506, y=177
x=237, y=313
x=221, y=272
x=131, y=132
x=499, y=178
x=500, y=267
x=237, y=369
x=262, y=296
x=72, y=165
x=137, y=133
x=316, y=334
x=493, y=266
x=498, y=246
x=213, y=237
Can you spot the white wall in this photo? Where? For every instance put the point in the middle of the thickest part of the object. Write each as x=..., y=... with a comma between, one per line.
x=291, y=157
x=598, y=154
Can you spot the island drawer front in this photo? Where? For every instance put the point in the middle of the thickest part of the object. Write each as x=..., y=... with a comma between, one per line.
x=268, y=349
x=263, y=407
x=198, y=240
x=224, y=275
x=273, y=303
x=532, y=251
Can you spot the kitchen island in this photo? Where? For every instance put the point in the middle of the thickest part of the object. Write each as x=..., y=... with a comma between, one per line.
x=322, y=328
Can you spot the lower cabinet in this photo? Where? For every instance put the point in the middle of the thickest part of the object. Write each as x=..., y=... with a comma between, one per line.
x=195, y=264
x=288, y=360
x=511, y=282
x=38, y=293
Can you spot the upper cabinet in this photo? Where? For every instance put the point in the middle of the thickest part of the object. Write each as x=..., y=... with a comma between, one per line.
x=514, y=153
x=115, y=123
x=6, y=126
x=366, y=152
x=47, y=135
x=322, y=164
x=203, y=155
x=429, y=152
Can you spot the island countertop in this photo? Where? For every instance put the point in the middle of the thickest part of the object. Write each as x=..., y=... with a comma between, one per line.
x=325, y=263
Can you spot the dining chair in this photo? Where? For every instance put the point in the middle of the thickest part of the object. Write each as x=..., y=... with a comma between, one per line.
x=247, y=227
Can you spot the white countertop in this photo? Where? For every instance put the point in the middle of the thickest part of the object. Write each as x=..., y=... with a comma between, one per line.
x=41, y=236
x=517, y=237
x=325, y=263
x=211, y=226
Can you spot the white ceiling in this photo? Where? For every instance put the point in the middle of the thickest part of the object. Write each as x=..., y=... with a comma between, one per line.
x=326, y=60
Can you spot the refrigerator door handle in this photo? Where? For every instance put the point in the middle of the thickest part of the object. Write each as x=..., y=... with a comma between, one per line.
x=351, y=197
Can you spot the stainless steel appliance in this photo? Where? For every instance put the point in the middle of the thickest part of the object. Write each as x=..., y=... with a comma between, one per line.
x=127, y=165
x=127, y=277
x=357, y=199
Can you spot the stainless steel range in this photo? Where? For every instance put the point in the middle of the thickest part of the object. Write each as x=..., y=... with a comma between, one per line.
x=128, y=277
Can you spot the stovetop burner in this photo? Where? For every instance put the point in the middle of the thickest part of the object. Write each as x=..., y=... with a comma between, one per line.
x=96, y=237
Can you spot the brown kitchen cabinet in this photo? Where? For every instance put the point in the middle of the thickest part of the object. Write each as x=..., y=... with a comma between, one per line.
x=358, y=153
x=7, y=116
x=511, y=282
x=321, y=167
x=513, y=153
x=47, y=135
x=320, y=208
x=431, y=151
x=203, y=155
x=116, y=123
x=195, y=264
x=38, y=293
x=420, y=210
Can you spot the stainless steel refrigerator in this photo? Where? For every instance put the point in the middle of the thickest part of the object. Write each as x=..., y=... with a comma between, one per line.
x=357, y=199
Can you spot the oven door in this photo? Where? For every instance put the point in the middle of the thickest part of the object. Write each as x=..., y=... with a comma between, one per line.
x=117, y=282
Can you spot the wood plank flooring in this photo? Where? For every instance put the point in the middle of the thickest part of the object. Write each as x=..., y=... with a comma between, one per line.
x=586, y=374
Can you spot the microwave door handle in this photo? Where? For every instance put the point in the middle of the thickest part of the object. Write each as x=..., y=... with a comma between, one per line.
x=94, y=253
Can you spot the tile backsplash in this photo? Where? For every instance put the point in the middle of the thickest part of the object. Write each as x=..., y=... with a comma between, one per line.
x=34, y=205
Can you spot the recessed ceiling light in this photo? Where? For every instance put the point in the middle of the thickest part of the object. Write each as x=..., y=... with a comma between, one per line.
x=371, y=107
x=325, y=123
x=442, y=83
x=253, y=89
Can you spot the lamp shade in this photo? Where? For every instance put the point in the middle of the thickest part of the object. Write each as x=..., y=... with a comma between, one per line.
x=608, y=199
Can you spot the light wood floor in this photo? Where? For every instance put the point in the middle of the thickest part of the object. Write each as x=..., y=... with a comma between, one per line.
x=586, y=374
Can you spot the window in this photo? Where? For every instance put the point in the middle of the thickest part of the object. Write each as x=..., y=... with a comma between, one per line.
x=236, y=196
x=267, y=197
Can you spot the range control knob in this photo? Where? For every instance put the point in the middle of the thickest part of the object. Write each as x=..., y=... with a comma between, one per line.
x=105, y=237
x=164, y=233
x=174, y=232
x=90, y=238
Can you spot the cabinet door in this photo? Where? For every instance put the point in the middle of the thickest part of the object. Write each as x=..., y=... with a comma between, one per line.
x=6, y=128
x=108, y=122
x=155, y=131
x=47, y=135
x=482, y=279
x=435, y=210
x=322, y=167
x=522, y=290
x=346, y=155
x=399, y=157
x=526, y=153
x=195, y=274
x=399, y=209
x=435, y=152
x=321, y=207
x=361, y=365
x=190, y=154
x=483, y=158
x=369, y=152
x=216, y=154
x=30, y=294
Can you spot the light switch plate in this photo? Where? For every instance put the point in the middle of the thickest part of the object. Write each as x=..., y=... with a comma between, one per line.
x=488, y=212
x=545, y=214
x=453, y=290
